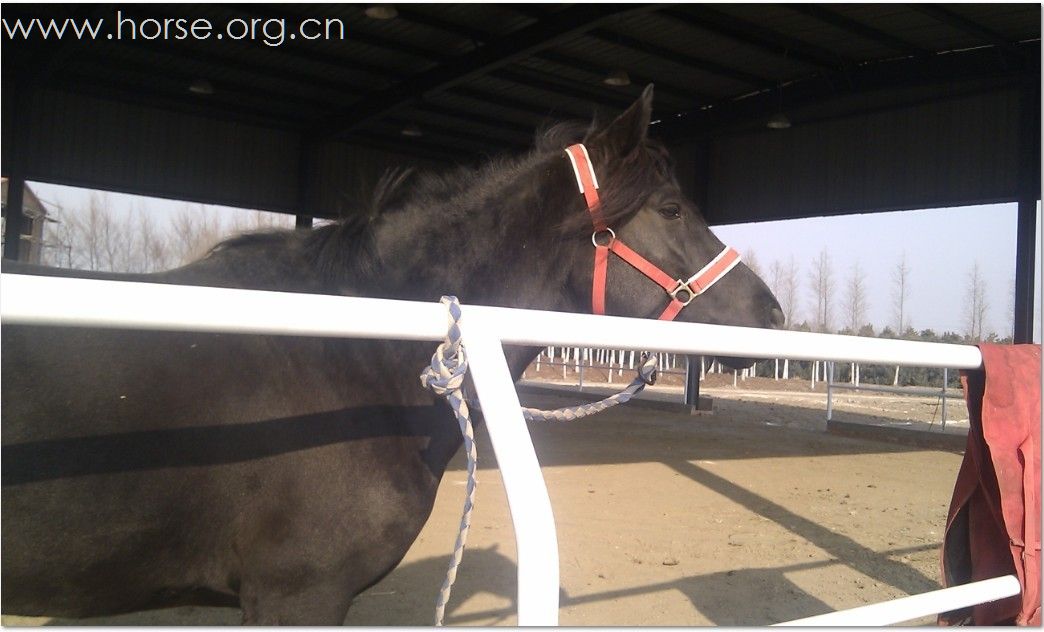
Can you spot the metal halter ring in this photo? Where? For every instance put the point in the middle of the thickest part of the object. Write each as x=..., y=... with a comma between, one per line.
x=683, y=287
x=594, y=237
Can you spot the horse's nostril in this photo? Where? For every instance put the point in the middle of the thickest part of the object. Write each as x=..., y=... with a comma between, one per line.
x=776, y=318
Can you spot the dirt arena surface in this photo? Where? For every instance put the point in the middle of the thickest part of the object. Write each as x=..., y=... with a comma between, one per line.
x=749, y=516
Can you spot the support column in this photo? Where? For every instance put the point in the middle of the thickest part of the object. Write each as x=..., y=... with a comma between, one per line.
x=692, y=386
x=1029, y=193
x=692, y=380
x=13, y=215
x=307, y=182
x=16, y=143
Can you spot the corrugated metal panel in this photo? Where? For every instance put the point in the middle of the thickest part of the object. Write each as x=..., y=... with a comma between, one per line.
x=84, y=141
x=961, y=151
x=706, y=43
x=124, y=147
x=1017, y=21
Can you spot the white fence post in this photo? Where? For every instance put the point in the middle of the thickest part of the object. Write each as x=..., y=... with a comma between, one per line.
x=830, y=391
x=535, y=538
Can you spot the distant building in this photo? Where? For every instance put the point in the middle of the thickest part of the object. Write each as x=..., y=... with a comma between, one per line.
x=35, y=216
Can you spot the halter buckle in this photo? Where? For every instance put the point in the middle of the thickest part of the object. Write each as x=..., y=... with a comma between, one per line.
x=683, y=287
x=595, y=234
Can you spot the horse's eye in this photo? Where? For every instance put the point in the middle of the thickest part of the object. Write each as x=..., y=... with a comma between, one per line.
x=671, y=211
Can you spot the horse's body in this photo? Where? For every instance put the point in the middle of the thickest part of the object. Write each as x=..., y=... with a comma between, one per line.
x=285, y=475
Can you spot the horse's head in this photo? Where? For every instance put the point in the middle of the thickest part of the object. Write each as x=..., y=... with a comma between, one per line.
x=653, y=238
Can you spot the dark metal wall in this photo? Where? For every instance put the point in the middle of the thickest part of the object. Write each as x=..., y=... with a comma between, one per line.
x=958, y=151
x=954, y=152
x=84, y=141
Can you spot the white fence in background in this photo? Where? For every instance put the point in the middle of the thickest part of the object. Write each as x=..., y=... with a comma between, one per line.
x=586, y=363
x=116, y=304
x=940, y=392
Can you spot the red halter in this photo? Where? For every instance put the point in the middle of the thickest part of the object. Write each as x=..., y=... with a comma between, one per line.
x=681, y=292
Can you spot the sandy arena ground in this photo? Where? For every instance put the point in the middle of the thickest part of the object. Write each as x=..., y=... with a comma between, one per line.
x=749, y=516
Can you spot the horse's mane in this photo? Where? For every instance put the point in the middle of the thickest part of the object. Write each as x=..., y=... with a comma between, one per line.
x=345, y=249
x=624, y=186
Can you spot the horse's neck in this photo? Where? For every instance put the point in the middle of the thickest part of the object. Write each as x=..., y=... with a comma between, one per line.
x=497, y=252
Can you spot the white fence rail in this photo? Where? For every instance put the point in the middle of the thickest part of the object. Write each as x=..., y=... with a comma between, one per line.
x=59, y=301
x=831, y=386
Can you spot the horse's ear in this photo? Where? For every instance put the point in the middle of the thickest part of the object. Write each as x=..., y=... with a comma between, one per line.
x=629, y=130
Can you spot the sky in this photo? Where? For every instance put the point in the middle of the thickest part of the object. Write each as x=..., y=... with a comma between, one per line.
x=941, y=246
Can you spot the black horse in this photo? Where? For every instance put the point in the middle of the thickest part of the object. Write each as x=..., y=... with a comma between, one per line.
x=285, y=475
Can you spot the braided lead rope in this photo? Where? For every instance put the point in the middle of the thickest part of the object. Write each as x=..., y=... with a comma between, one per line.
x=445, y=377
x=646, y=375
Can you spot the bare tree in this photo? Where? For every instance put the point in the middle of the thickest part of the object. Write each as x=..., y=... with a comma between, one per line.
x=94, y=240
x=785, y=285
x=97, y=238
x=900, y=293
x=58, y=251
x=752, y=262
x=822, y=282
x=855, y=299
x=975, y=303
x=152, y=252
x=195, y=231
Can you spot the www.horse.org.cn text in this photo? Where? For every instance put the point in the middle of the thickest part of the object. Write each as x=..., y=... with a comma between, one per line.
x=121, y=27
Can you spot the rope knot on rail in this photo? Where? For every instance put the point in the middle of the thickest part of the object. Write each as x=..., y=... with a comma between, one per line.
x=445, y=374
x=445, y=377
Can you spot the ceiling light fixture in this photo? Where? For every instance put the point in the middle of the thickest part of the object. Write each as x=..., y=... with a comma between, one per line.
x=201, y=86
x=617, y=78
x=381, y=11
x=778, y=120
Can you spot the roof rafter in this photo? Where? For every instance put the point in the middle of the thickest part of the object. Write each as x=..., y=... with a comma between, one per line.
x=410, y=147
x=539, y=112
x=563, y=87
x=506, y=127
x=231, y=109
x=664, y=89
x=751, y=34
x=173, y=52
x=294, y=20
x=704, y=65
x=175, y=83
x=510, y=48
x=479, y=38
x=961, y=23
x=819, y=12
x=298, y=50
x=410, y=14
x=456, y=135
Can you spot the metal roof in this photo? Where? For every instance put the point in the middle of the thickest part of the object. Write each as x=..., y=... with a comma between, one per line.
x=479, y=78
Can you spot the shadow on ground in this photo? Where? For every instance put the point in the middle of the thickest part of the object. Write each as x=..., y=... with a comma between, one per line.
x=754, y=595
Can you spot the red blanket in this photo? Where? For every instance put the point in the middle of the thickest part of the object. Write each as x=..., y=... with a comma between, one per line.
x=993, y=527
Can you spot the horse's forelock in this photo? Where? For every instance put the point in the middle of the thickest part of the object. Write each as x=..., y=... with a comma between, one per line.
x=626, y=182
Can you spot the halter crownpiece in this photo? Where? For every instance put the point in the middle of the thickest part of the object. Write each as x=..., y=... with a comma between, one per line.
x=604, y=239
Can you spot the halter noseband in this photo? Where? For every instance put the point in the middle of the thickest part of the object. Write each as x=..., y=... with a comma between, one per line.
x=604, y=239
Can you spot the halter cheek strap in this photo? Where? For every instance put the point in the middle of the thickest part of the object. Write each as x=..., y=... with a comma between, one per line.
x=604, y=239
